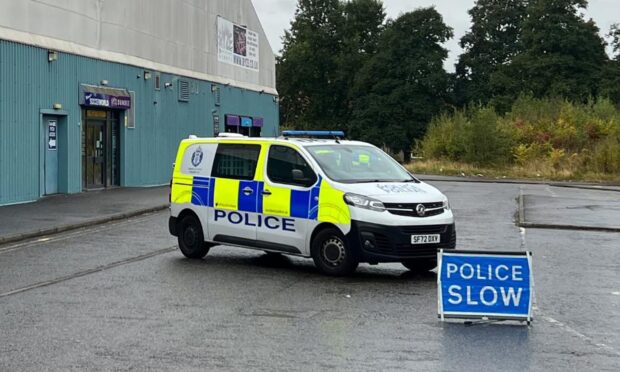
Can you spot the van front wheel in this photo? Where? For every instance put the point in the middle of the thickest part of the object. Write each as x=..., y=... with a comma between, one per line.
x=331, y=253
x=191, y=238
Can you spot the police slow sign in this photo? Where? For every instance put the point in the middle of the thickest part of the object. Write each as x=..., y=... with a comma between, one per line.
x=494, y=285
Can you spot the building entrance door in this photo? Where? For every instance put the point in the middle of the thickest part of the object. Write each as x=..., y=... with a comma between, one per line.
x=94, y=158
x=101, y=150
x=51, y=154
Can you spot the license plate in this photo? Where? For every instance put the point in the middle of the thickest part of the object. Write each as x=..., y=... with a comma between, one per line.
x=425, y=239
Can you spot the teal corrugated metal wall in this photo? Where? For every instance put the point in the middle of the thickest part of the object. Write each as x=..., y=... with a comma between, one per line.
x=29, y=84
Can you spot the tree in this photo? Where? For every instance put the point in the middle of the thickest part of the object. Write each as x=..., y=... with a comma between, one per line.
x=562, y=55
x=328, y=43
x=307, y=67
x=403, y=85
x=614, y=34
x=364, y=20
x=492, y=41
x=611, y=74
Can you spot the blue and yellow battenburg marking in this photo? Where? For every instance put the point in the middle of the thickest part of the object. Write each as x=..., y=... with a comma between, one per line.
x=322, y=202
x=247, y=196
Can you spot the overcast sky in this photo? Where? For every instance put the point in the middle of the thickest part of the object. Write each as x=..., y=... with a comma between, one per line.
x=276, y=16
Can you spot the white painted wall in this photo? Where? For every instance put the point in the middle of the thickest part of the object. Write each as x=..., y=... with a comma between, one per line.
x=174, y=35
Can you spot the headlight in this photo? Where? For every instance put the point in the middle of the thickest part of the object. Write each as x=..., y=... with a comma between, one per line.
x=365, y=202
x=446, y=204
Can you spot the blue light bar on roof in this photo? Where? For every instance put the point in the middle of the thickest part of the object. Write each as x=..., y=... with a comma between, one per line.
x=313, y=133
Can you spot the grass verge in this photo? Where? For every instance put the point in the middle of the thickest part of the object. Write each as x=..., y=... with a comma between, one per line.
x=534, y=171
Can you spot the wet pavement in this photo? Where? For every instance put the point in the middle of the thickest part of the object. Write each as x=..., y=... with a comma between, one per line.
x=119, y=296
x=571, y=207
x=63, y=212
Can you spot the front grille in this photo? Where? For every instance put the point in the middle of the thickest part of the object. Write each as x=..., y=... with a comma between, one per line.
x=424, y=229
x=410, y=209
x=383, y=243
x=397, y=241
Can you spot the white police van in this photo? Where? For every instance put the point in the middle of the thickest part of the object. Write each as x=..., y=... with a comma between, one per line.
x=309, y=194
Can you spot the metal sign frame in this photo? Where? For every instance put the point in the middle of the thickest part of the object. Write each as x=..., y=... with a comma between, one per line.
x=476, y=315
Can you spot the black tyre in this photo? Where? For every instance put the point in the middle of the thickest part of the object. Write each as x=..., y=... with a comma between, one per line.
x=420, y=265
x=331, y=253
x=191, y=238
x=452, y=243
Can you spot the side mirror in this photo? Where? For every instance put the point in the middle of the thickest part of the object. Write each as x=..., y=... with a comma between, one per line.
x=298, y=175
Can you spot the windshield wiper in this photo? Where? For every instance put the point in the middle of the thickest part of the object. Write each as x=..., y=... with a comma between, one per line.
x=374, y=181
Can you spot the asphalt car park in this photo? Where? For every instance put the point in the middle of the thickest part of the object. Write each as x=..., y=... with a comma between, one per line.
x=121, y=296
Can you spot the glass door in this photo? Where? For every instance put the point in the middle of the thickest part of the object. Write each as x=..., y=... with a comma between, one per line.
x=101, y=150
x=94, y=154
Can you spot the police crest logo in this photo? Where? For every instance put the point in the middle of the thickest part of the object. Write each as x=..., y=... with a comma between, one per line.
x=197, y=157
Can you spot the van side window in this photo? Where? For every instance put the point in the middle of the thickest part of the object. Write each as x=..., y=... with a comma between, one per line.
x=285, y=165
x=235, y=161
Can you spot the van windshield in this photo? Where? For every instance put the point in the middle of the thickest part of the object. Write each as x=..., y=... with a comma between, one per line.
x=358, y=164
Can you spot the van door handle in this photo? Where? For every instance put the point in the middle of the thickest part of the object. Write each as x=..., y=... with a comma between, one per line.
x=266, y=192
x=248, y=190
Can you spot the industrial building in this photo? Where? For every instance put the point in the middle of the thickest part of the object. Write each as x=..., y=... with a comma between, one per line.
x=97, y=94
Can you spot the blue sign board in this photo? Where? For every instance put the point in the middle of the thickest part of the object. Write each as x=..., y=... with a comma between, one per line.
x=246, y=121
x=495, y=285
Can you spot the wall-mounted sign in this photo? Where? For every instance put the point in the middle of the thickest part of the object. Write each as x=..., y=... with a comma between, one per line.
x=237, y=45
x=52, y=135
x=494, y=285
x=246, y=121
x=233, y=120
x=216, y=125
x=104, y=97
x=106, y=100
x=99, y=114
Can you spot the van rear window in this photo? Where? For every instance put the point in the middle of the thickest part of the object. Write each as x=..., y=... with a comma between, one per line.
x=235, y=161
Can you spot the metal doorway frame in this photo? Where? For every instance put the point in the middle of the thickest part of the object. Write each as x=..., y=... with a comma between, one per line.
x=63, y=119
x=113, y=118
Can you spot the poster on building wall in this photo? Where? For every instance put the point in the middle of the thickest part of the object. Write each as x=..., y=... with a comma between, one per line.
x=236, y=45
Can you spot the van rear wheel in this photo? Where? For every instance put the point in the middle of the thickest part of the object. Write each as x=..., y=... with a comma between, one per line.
x=420, y=265
x=331, y=253
x=191, y=238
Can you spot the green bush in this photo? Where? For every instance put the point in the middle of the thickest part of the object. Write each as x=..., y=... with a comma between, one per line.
x=568, y=137
x=487, y=139
x=476, y=136
x=445, y=137
x=605, y=157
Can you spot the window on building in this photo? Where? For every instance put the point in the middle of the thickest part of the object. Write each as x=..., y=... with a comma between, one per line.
x=184, y=90
x=216, y=94
x=157, y=81
x=285, y=165
x=235, y=161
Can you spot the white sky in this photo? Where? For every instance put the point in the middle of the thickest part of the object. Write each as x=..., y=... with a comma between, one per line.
x=276, y=16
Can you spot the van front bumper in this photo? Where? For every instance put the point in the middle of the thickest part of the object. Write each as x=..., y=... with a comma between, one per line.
x=382, y=243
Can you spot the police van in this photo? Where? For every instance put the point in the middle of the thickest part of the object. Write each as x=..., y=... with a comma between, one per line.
x=309, y=194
